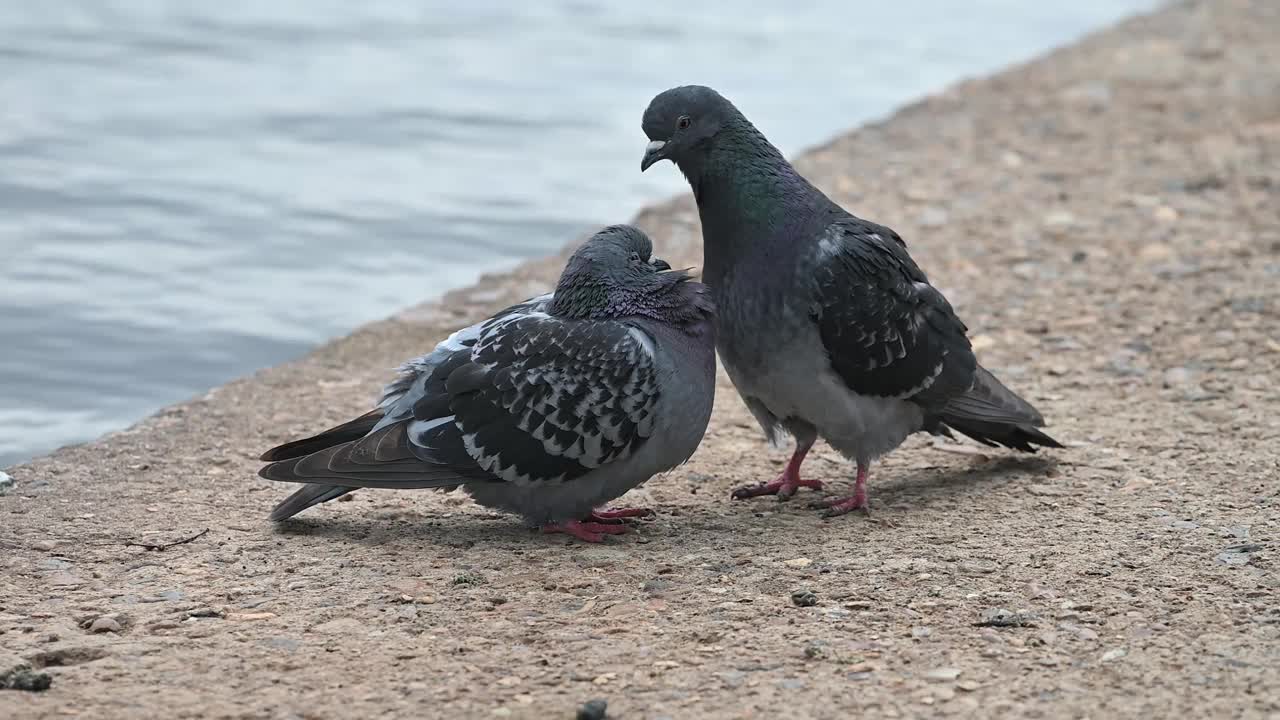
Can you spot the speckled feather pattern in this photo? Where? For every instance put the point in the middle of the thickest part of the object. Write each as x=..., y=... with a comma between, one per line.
x=549, y=408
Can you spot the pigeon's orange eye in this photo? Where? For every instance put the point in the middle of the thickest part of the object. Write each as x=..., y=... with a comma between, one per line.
x=683, y=122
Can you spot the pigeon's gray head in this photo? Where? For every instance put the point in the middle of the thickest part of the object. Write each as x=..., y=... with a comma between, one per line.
x=682, y=123
x=610, y=273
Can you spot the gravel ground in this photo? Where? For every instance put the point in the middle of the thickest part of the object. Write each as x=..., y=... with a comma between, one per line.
x=1105, y=219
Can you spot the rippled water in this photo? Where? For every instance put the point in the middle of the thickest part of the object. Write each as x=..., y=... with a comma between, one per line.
x=192, y=190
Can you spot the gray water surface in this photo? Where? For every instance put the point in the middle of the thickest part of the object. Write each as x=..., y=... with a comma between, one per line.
x=193, y=190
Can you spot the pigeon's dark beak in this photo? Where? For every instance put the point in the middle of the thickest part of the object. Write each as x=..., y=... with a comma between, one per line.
x=659, y=264
x=652, y=154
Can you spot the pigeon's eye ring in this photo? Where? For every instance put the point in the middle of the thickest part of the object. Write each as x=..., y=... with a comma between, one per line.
x=683, y=122
x=635, y=257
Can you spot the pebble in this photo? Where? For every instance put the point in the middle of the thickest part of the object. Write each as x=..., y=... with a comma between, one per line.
x=798, y=562
x=1238, y=554
x=205, y=612
x=7, y=483
x=1059, y=221
x=943, y=674
x=105, y=624
x=1178, y=377
x=804, y=598
x=597, y=709
x=1114, y=654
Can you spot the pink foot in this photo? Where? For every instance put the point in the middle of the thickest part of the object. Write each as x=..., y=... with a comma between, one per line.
x=586, y=531
x=606, y=516
x=784, y=487
x=787, y=483
x=842, y=506
x=857, y=501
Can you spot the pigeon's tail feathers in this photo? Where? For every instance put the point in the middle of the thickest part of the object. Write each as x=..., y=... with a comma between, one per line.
x=385, y=458
x=346, y=432
x=992, y=414
x=305, y=497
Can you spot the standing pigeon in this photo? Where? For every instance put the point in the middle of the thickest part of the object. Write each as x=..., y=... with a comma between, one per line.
x=549, y=409
x=824, y=323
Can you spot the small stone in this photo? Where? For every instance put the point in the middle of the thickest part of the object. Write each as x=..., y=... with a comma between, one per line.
x=1114, y=654
x=944, y=674
x=1059, y=222
x=105, y=624
x=250, y=617
x=1166, y=214
x=804, y=598
x=968, y=685
x=921, y=633
x=1178, y=377
x=594, y=710
x=1184, y=525
x=798, y=562
x=944, y=693
x=1040, y=490
x=1238, y=554
x=206, y=612
x=7, y=483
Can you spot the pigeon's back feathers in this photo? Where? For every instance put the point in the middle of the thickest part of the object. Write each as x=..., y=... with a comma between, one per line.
x=524, y=397
x=545, y=400
x=887, y=331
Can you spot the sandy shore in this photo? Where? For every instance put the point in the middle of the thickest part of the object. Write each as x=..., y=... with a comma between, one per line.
x=1106, y=220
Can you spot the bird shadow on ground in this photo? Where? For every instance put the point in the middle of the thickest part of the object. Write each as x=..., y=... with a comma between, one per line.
x=917, y=484
x=498, y=531
x=913, y=486
x=380, y=528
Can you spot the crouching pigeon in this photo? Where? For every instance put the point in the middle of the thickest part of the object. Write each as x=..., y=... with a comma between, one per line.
x=548, y=410
x=825, y=324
